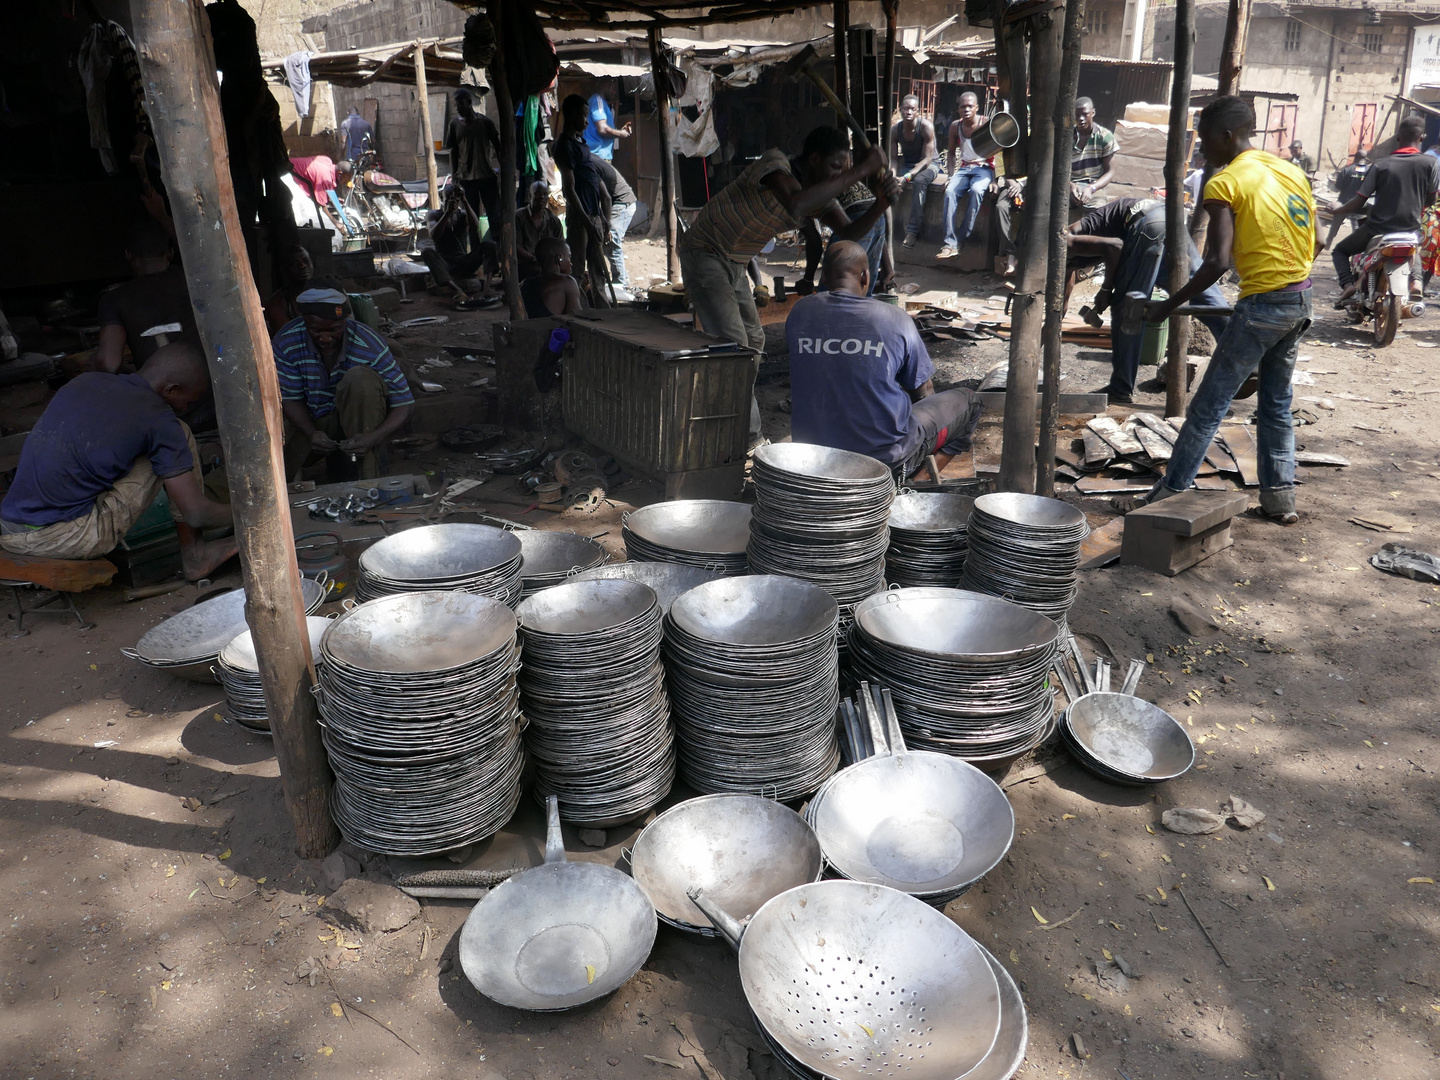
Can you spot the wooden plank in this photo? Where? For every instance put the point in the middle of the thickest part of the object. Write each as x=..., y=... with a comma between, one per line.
x=1112, y=433
x=62, y=575
x=1101, y=485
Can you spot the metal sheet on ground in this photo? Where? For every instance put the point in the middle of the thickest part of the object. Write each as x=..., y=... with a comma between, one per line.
x=1239, y=440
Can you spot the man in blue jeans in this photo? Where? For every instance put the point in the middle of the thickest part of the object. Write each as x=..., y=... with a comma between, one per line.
x=1262, y=214
x=970, y=176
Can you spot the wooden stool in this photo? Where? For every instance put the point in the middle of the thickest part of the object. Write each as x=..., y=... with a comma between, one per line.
x=1175, y=533
x=62, y=578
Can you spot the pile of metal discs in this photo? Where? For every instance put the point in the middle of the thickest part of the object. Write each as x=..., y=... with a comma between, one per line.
x=1026, y=548
x=710, y=533
x=927, y=538
x=477, y=559
x=420, y=718
x=188, y=643
x=820, y=515
x=239, y=672
x=593, y=690
x=669, y=580
x=754, y=683
x=549, y=558
x=968, y=672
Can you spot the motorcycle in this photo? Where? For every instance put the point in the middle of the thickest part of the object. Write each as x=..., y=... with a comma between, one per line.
x=390, y=211
x=1382, y=273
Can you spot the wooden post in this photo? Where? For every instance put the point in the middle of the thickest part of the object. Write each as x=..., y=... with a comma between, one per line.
x=505, y=107
x=422, y=90
x=1027, y=312
x=177, y=62
x=1176, y=237
x=1232, y=52
x=842, y=59
x=667, y=162
x=1059, y=220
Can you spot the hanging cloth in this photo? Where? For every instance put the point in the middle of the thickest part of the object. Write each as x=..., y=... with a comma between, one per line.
x=94, y=63
x=297, y=74
x=530, y=136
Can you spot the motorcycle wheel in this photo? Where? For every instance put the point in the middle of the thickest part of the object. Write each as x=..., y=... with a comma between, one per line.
x=1387, y=320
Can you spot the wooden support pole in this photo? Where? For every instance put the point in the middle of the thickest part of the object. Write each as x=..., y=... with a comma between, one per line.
x=1059, y=220
x=1012, y=75
x=422, y=92
x=505, y=107
x=667, y=160
x=1232, y=51
x=1177, y=239
x=1027, y=312
x=177, y=62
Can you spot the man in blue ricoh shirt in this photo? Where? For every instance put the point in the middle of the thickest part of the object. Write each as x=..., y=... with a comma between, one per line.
x=860, y=378
x=98, y=457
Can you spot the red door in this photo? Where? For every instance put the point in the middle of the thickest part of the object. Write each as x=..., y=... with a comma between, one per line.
x=1362, y=128
x=1280, y=127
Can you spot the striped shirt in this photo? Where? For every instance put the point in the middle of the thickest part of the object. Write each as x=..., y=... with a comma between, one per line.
x=1090, y=156
x=745, y=216
x=303, y=376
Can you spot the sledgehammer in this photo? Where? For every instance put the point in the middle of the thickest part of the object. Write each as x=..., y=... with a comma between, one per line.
x=1132, y=320
x=803, y=63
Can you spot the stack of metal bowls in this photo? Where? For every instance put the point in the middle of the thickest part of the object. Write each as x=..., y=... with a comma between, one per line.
x=1126, y=739
x=1026, y=548
x=549, y=558
x=477, y=559
x=928, y=538
x=709, y=533
x=820, y=515
x=754, y=681
x=669, y=580
x=188, y=643
x=593, y=690
x=239, y=671
x=968, y=673
x=420, y=717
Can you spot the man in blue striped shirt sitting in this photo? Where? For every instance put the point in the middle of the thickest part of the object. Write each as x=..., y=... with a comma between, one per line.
x=340, y=388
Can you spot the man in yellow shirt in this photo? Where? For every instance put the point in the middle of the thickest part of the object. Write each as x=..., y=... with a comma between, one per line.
x=1263, y=215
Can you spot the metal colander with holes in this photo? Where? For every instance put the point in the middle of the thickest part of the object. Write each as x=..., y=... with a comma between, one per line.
x=853, y=979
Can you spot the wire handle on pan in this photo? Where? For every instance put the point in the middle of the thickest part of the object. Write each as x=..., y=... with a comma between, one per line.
x=349, y=604
x=132, y=654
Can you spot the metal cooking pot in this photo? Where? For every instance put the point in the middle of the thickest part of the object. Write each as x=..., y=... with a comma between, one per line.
x=1000, y=133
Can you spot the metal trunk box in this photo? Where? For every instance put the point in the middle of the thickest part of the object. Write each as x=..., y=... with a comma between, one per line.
x=667, y=401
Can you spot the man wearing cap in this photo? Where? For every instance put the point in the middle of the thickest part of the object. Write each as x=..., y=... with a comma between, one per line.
x=340, y=388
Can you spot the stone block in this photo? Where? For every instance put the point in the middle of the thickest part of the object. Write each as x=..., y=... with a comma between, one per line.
x=1194, y=512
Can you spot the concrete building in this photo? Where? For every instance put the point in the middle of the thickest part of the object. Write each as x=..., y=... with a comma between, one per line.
x=1345, y=63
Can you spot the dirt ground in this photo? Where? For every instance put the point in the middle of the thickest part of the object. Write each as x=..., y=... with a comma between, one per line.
x=149, y=941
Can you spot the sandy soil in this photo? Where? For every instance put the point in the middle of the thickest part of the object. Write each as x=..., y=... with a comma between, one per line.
x=146, y=940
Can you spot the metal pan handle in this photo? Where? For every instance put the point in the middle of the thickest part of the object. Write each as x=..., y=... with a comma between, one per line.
x=554, y=839
x=892, y=724
x=132, y=654
x=729, y=927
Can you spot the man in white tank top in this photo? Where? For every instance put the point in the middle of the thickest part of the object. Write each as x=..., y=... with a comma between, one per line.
x=970, y=176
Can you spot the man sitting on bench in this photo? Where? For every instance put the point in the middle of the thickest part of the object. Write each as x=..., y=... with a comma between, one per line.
x=99, y=455
x=860, y=377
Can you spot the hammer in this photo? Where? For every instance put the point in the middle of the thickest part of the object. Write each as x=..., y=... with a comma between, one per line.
x=1132, y=320
x=803, y=63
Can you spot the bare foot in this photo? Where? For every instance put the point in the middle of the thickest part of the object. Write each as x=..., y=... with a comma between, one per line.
x=199, y=558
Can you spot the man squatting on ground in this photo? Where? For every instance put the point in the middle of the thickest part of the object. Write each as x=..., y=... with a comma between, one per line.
x=1263, y=215
x=100, y=453
x=773, y=195
x=340, y=388
x=860, y=377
